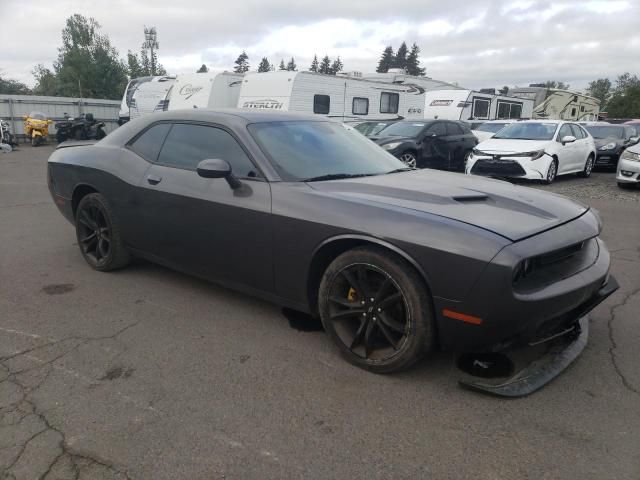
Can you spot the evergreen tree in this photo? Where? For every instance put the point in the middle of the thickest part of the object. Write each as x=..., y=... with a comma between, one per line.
x=291, y=66
x=413, y=62
x=282, y=65
x=314, y=64
x=325, y=65
x=134, y=69
x=386, y=60
x=202, y=69
x=336, y=66
x=264, y=66
x=242, y=63
x=400, y=60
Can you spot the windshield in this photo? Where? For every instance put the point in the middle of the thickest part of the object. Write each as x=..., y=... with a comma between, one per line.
x=606, y=132
x=527, y=131
x=302, y=150
x=38, y=115
x=491, y=127
x=402, y=129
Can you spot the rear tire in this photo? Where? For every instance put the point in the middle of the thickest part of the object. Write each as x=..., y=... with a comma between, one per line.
x=409, y=158
x=588, y=166
x=377, y=310
x=98, y=234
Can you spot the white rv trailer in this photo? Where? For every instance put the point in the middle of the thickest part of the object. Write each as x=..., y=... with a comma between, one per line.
x=399, y=77
x=555, y=104
x=470, y=105
x=150, y=97
x=129, y=91
x=205, y=90
x=344, y=97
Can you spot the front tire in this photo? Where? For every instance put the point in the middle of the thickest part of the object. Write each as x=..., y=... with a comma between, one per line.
x=98, y=234
x=377, y=310
x=409, y=158
x=552, y=172
x=588, y=166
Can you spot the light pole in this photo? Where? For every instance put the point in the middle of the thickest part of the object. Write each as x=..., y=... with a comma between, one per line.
x=151, y=43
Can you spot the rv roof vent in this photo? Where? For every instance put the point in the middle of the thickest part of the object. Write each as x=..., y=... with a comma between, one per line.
x=396, y=70
x=352, y=74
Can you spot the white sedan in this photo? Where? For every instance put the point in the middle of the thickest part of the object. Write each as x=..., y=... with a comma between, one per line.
x=535, y=150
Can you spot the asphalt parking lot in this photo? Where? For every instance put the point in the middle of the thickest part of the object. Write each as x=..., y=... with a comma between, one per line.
x=149, y=374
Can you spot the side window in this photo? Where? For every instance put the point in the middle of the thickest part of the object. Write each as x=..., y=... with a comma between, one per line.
x=321, y=104
x=481, y=108
x=453, y=129
x=187, y=145
x=389, y=102
x=573, y=112
x=438, y=128
x=628, y=133
x=360, y=106
x=564, y=131
x=149, y=143
x=577, y=132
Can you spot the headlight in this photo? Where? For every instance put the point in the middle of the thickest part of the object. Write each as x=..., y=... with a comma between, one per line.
x=477, y=152
x=608, y=146
x=627, y=155
x=390, y=146
x=533, y=155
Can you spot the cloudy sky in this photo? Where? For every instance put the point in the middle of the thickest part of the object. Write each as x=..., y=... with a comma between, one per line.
x=480, y=43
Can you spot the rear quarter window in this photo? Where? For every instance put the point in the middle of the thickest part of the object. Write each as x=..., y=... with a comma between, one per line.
x=149, y=143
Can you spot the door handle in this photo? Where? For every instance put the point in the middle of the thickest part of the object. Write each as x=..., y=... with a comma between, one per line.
x=153, y=179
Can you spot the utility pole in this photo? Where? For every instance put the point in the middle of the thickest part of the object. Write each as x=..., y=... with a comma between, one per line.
x=151, y=43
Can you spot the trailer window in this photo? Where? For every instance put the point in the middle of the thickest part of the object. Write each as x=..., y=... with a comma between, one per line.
x=389, y=102
x=509, y=110
x=321, y=104
x=360, y=106
x=481, y=108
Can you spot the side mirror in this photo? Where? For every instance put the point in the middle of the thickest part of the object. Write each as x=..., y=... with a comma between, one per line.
x=568, y=139
x=218, y=168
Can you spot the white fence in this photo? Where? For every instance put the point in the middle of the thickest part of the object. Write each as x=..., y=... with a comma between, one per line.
x=13, y=107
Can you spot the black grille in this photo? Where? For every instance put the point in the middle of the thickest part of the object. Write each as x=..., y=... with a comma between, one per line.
x=510, y=168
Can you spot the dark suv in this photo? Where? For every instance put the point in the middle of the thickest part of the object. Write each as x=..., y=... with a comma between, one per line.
x=441, y=144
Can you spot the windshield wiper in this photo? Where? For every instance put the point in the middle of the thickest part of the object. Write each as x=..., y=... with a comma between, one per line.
x=403, y=169
x=336, y=176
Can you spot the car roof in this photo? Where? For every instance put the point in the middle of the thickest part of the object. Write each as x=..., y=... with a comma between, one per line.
x=249, y=115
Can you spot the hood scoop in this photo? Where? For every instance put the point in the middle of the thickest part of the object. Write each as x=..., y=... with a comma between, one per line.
x=477, y=197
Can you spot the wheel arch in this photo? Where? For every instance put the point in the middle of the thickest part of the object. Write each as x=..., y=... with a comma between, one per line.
x=331, y=248
x=79, y=192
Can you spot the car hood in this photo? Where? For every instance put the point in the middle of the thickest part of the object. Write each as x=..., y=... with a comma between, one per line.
x=511, y=211
x=496, y=145
x=604, y=141
x=384, y=140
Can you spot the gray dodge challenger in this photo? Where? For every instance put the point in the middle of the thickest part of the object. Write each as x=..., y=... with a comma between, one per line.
x=313, y=216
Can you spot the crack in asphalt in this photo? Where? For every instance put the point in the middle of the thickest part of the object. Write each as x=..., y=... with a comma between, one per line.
x=25, y=407
x=614, y=345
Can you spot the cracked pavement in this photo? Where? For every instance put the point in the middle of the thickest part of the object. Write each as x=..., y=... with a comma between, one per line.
x=147, y=373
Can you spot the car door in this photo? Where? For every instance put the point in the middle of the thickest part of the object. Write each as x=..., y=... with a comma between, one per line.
x=461, y=141
x=582, y=146
x=567, y=153
x=202, y=225
x=435, y=151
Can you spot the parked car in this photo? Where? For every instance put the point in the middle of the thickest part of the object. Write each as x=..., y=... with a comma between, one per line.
x=628, y=171
x=535, y=150
x=486, y=130
x=440, y=144
x=395, y=261
x=611, y=140
x=635, y=124
x=371, y=129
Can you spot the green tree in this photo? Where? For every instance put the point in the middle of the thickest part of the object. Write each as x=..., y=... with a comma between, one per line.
x=600, y=89
x=504, y=90
x=203, y=69
x=625, y=101
x=400, y=59
x=552, y=84
x=386, y=60
x=413, y=62
x=315, y=66
x=325, y=65
x=9, y=86
x=336, y=66
x=46, y=81
x=242, y=63
x=264, y=65
x=291, y=66
x=282, y=65
x=134, y=68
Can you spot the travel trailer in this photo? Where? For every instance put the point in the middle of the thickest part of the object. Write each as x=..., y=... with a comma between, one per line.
x=398, y=76
x=470, y=105
x=205, y=90
x=555, y=104
x=150, y=97
x=345, y=97
x=133, y=85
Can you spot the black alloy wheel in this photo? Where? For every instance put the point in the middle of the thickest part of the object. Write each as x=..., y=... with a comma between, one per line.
x=98, y=235
x=377, y=310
